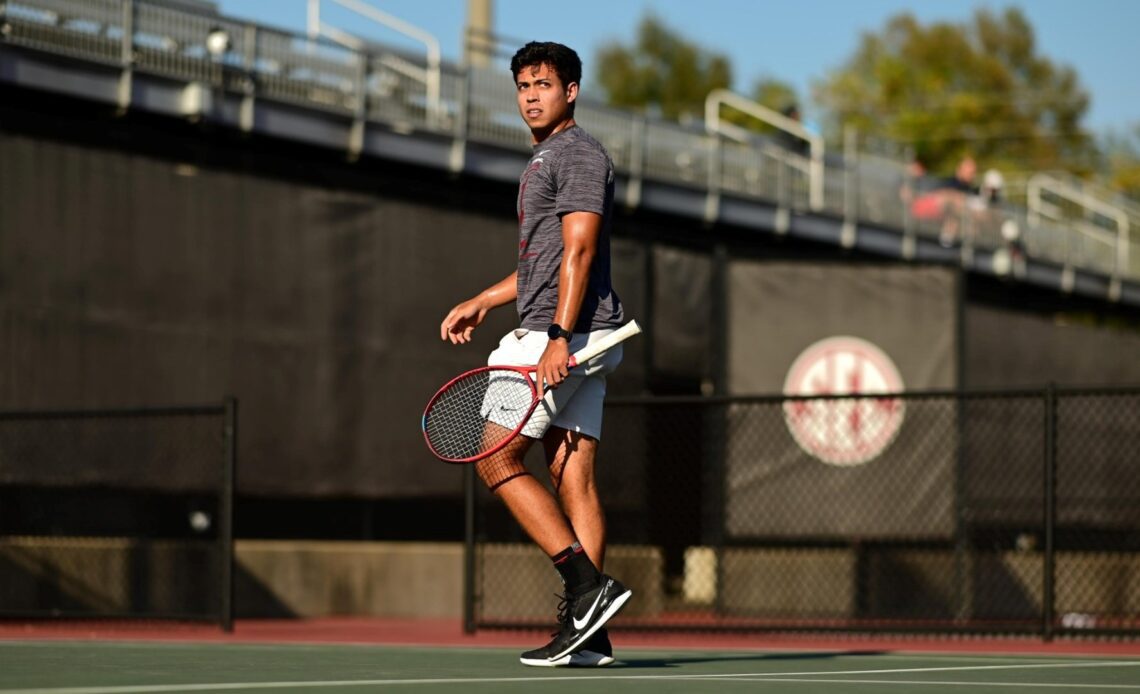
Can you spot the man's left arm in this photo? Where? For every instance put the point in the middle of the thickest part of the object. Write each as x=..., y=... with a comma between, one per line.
x=580, y=232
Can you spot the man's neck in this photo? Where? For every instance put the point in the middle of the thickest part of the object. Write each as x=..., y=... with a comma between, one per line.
x=544, y=134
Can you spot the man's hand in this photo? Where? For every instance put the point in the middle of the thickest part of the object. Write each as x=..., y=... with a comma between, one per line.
x=462, y=320
x=553, y=365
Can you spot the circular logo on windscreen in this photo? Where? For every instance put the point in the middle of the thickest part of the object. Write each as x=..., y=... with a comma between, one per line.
x=844, y=431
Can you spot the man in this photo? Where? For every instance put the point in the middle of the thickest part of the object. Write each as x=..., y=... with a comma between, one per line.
x=564, y=299
x=948, y=200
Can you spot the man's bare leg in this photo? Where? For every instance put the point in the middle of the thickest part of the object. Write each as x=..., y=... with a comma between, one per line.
x=570, y=456
x=531, y=504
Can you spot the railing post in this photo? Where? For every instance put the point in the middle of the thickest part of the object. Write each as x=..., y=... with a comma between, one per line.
x=850, y=187
x=126, y=55
x=360, y=108
x=249, y=84
x=714, y=170
x=637, y=155
x=1050, y=512
x=783, y=202
x=457, y=160
x=909, y=239
x=815, y=176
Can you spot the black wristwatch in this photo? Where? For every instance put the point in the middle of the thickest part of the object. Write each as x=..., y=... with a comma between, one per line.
x=555, y=331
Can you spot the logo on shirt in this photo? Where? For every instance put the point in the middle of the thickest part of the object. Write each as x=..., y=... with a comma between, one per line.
x=534, y=166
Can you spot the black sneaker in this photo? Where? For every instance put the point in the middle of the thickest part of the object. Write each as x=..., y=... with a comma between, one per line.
x=578, y=618
x=540, y=657
x=596, y=652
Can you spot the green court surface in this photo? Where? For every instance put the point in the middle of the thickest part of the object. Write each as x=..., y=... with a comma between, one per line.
x=102, y=667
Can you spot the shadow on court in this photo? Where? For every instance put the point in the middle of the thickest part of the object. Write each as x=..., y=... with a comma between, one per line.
x=678, y=661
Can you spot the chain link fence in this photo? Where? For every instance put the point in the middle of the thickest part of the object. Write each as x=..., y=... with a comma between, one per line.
x=997, y=512
x=118, y=513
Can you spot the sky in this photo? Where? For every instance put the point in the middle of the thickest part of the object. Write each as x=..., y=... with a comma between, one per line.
x=795, y=41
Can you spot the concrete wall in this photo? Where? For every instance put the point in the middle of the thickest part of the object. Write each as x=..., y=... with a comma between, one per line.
x=384, y=579
x=516, y=582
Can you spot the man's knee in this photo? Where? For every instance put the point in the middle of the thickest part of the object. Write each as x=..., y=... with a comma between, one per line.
x=570, y=460
x=504, y=466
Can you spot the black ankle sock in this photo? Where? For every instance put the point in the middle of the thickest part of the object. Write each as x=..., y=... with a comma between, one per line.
x=577, y=571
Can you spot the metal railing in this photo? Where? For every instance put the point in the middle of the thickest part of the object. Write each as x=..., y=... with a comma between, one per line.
x=429, y=76
x=371, y=84
x=1047, y=197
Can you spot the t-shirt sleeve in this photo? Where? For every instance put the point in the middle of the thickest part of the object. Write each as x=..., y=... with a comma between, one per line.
x=581, y=177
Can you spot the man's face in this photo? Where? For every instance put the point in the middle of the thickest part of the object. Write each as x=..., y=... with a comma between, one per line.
x=544, y=102
x=967, y=169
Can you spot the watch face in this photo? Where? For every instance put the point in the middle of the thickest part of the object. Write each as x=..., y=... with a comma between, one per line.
x=555, y=331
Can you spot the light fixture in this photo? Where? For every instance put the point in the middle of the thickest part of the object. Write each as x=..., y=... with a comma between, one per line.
x=218, y=42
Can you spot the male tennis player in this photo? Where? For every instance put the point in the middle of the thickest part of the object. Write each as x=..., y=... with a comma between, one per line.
x=564, y=299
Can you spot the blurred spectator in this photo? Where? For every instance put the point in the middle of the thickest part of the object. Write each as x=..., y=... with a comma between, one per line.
x=992, y=183
x=997, y=223
x=790, y=142
x=914, y=183
x=948, y=201
x=987, y=209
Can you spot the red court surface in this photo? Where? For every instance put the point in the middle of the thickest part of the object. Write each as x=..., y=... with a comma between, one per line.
x=449, y=632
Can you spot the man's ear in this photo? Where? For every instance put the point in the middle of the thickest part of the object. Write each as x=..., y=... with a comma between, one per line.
x=571, y=92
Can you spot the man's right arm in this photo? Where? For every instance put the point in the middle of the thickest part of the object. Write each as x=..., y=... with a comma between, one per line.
x=462, y=320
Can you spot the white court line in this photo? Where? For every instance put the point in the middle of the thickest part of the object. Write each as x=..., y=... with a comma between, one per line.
x=631, y=654
x=971, y=668
x=1034, y=685
x=745, y=677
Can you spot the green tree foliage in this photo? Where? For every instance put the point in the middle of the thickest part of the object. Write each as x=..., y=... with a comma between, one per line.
x=1122, y=161
x=662, y=72
x=766, y=91
x=949, y=89
x=774, y=93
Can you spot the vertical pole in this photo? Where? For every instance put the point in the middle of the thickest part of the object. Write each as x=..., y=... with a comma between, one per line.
x=783, y=203
x=713, y=174
x=126, y=55
x=716, y=421
x=963, y=567
x=1050, y=488
x=469, y=549
x=850, y=186
x=226, y=512
x=249, y=83
x=360, y=107
x=457, y=159
x=313, y=21
x=637, y=154
x=817, y=172
x=649, y=308
x=479, y=45
x=909, y=242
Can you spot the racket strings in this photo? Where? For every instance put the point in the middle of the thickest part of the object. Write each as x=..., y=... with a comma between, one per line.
x=477, y=412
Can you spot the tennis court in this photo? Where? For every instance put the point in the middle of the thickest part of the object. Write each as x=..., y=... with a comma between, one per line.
x=127, y=667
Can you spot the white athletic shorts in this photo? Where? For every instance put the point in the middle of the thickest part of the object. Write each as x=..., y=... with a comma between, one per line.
x=576, y=404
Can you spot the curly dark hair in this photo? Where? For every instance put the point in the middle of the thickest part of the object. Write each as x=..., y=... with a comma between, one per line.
x=562, y=59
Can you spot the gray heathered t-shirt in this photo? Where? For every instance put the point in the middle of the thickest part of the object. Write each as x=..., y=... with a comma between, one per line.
x=569, y=172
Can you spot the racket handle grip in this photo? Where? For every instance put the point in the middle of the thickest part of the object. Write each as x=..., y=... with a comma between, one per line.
x=598, y=346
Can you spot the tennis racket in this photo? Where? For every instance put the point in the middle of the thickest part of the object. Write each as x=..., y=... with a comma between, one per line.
x=477, y=413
